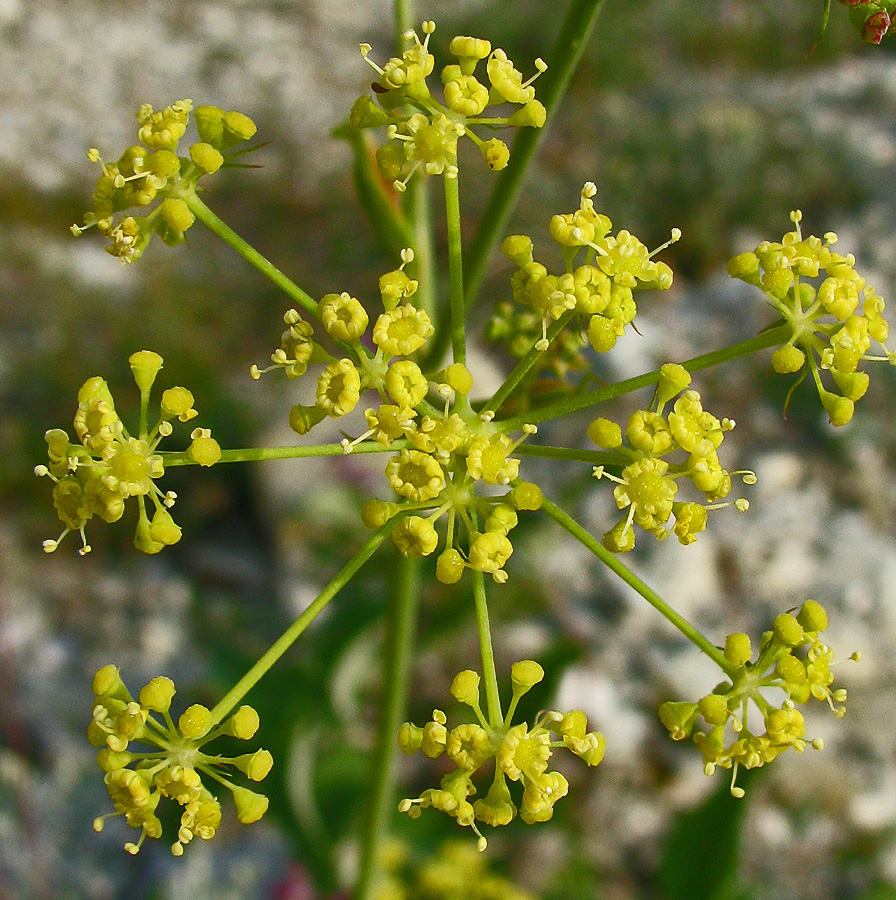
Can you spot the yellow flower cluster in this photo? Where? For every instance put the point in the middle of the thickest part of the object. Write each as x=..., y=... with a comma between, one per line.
x=137, y=778
x=521, y=754
x=442, y=451
x=647, y=486
x=599, y=289
x=152, y=171
x=422, y=131
x=792, y=660
x=456, y=870
x=96, y=476
x=818, y=292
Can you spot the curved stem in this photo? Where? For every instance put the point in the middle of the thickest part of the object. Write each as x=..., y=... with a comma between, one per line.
x=489, y=673
x=286, y=640
x=629, y=577
x=248, y=252
x=577, y=402
x=402, y=620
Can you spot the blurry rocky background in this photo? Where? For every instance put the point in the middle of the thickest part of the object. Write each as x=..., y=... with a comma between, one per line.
x=709, y=115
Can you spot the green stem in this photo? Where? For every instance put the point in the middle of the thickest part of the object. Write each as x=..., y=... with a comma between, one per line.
x=404, y=21
x=489, y=673
x=550, y=89
x=286, y=640
x=594, y=457
x=562, y=61
x=418, y=211
x=227, y=234
x=256, y=454
x=455, y=270
x=629, y=577
x=524, y=366
x=577, y=402
x=402, y=619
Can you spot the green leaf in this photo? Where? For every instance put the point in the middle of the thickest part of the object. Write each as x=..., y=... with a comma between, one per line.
x=389, y=223
x=881, y=892
x=701, y=857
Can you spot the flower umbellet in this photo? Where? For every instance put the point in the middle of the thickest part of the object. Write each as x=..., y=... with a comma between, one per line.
x=793, y=663
x=151, y=172
x=871, y=18
x=520, y=754
x=423, y=132
x=833, y=314
x=646, y=488
x=147, y=757
x=455, y=485
x=599, y=289
x=96, y=476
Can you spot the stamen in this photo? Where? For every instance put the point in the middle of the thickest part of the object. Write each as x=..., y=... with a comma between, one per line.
x=676, y=236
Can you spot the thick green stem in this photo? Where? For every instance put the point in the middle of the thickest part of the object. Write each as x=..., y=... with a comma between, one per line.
x=576, y=402
x=288, y=638
x=455, y=270
x=227, y=234
x=402, y=619
x=489, y=673
x=629, y=577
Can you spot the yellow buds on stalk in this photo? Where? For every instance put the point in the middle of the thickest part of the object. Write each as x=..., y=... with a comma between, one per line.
x=834, y=315
x=598, y=291
x=647, y=487
x=521, y=754
x=109, y=465
x=422, y=131
x=152, y=171
x=147, y=757
x=792, y=660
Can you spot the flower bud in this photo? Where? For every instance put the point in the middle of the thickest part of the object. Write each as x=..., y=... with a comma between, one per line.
x=788, y=359
x=255, y=765
x=157, y=694
x=465, y=687
x=205, y=157
x=250, y=807
x=812, y=616
x=788, y=630
x=195, y=721
x=527, y=496
x=176, y=214
x=737, y=649
x=714, y=709
x=145, y=365
x=524, y=675
x=450, y=566
x=605, y=434
x=243, y=723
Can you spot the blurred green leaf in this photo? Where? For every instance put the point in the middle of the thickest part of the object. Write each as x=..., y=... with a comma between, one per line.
x=701, y=858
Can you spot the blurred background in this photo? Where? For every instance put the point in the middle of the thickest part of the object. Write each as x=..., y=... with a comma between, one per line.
x=714, y=116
